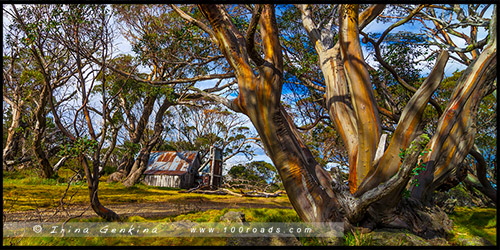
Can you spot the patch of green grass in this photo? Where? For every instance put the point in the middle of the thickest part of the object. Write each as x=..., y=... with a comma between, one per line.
x=472, y=222
x=271, y=215
x=115, y=241
x=29, y=193
x=251, y=215
x=356, y=238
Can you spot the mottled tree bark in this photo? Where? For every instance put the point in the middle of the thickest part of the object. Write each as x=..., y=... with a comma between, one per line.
x=14, y=134
x=141, y=163
x=374, y=196
x=455, y=133
x=135, y=134
x=39, y=129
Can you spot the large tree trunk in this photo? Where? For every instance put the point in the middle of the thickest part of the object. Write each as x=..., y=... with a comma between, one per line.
x=127, y=163
x=141, y=163
x=14, y=135
x=374, y=196
x=307, y=184
x=38, y=131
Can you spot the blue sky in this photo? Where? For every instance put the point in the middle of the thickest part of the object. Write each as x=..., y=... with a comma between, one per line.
x=122, y=46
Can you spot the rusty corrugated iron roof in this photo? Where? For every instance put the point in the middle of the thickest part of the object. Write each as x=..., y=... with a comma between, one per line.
x=170, y=162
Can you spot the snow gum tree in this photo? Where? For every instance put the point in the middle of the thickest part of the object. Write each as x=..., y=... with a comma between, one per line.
x=388, y=186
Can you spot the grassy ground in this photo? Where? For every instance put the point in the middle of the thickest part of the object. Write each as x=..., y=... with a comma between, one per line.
x=23, y=192
x=469, y=223
x=251, y=215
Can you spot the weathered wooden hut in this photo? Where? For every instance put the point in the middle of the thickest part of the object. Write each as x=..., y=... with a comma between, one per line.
x=172, y=169
x=211, y=175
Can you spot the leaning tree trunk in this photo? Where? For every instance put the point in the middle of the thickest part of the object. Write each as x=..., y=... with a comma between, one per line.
x=93, y=184
x=14, y=134
x=307, y=184
x=454, y=137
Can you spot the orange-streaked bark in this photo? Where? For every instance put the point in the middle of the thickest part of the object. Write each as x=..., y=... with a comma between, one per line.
x=338, y=102
x=337, y=98
x=407, y=127
x=455, y=132
x=362, y=96
x=307, y=184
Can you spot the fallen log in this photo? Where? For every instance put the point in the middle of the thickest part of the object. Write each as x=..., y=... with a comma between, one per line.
x=224, y=191
x=262, y=194
x=190, y=190
x=219, y=192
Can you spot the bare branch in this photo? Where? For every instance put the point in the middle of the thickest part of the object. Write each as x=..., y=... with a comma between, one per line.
x=168, y=82
x=310, y=126
x=395, y=74
x=471, y=47
x=308, y=22
x=311, y=84
x=400, y=22
x=368, y=15
x=224, y=101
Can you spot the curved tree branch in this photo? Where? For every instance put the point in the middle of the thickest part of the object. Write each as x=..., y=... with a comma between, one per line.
x=400, y=22
x=252, y=28
x=312, y=125
x=456, y=129
x=481, y=166
x=219, y=99
x=408, y=125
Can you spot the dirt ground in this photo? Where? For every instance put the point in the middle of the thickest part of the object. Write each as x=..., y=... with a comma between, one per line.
x=145, y=210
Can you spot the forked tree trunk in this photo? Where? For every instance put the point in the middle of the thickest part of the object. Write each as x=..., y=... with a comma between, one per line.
x=141, y=163
x=128, y=161
x=374, y=196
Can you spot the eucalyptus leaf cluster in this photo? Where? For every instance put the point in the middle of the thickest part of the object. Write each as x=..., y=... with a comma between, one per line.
x=79, y=147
